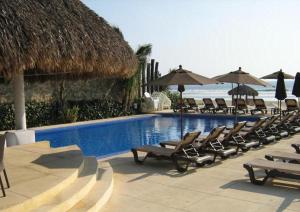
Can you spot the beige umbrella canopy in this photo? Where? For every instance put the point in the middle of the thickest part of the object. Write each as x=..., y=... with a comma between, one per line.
x=182, y=77
x=61, y=36
x=240, y=77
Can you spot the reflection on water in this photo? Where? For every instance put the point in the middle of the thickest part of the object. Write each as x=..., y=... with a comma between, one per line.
x=119, y=136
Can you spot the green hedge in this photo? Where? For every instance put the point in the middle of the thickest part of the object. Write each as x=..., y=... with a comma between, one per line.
x=98, y=109
x=173, y=96
x=48, y=113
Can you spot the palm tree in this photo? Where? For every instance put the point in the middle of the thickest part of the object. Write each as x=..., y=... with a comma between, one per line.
x=133, y=84
x=142, y=53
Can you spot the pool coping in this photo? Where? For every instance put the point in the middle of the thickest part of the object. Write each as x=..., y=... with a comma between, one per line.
x=155, y=113
x=88, y=122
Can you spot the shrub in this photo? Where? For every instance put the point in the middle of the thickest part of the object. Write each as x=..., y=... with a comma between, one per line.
x=7, y=117
x=71, y=114
x=47, y=113
x=173, y=96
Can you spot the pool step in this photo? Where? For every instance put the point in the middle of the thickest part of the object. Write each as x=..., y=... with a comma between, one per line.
x=76, y=191
x=100, y=193
x=66, y=163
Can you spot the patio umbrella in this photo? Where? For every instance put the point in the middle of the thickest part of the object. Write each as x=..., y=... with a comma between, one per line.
x=240, y=77
x=280, y=93
x=275, y=74
x=182, y=77
x=296, y=87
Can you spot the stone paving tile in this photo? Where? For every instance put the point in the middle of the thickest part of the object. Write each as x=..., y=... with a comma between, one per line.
x=123, y=203
x=269, y=194
x=224, y=187
x=224, y=204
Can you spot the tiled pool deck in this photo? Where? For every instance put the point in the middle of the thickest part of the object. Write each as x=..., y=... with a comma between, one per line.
x=156, y=186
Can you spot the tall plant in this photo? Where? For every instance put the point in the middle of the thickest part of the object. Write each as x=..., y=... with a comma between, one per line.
x=133, y=84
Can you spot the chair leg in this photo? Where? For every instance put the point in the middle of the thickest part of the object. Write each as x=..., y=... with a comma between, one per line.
x=252, y=176
x=2, y=187
x=136, y=157
x=6, y=178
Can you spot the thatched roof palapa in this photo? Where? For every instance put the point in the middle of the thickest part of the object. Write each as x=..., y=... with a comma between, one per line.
x=243, y=90
x=61, y=36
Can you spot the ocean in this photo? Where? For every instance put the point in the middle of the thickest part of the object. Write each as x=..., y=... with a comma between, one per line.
x=221, y=90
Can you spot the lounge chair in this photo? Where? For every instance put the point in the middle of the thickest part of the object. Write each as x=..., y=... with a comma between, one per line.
x=191, y=104
x=260, y=107
x=296, y=147
x=177, y=106
x=183, y=153
x=241, y=106
x=221, y=105
x=284, y=125
x=292, y=125
x=2, y=168
x=233, y=138
x=272, y=169
x=272, y=126
x=291, y=105
x=208, y=106
x=253, y=130
x=212, y=144
x=295, y=119
x=283, y=156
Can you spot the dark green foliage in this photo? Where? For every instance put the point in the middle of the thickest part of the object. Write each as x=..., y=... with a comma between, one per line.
x=47, y=113
x=173, y=96
x=98, y=109
x=41, y=113
x=7, y=118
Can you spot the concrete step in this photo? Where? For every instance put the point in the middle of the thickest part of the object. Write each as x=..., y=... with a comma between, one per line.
x=40, y=175
x=100, y=193
x=76, y=191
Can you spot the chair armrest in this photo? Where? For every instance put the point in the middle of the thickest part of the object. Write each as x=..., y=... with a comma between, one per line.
x=169, y=143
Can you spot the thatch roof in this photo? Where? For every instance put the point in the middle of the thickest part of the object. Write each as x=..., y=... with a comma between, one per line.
x=243, y=90
x=60, y=36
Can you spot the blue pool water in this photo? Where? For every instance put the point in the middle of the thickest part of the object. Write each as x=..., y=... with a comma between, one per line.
x=112, y=137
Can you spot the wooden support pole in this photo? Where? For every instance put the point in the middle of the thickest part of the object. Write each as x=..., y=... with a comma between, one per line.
x=152, y=73
x=19, y=101
x=148, y=77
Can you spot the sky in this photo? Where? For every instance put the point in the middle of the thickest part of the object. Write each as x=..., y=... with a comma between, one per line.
x=211, y=37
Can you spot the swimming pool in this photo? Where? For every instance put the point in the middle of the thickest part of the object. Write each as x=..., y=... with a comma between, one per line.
x=117, y=136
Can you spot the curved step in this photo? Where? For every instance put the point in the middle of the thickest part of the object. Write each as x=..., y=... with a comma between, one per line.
x=100, y=193
x=35, y=190
x=75, y=191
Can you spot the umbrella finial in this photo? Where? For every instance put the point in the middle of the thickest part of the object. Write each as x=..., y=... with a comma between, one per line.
x=180, y=66
x=280, y=70
x=240, y=68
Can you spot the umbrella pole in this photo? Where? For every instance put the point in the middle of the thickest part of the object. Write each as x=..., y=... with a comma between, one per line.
x=181, y=116
x=298, y=105
x=280, y=110
x=236, y=101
